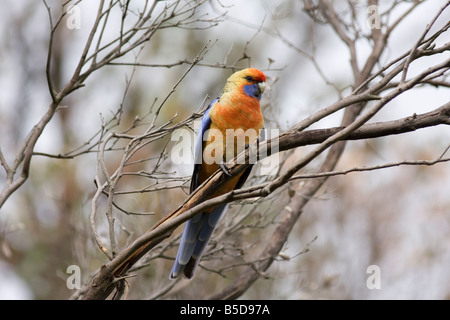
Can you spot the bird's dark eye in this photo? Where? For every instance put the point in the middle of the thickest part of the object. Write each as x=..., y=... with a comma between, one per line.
x=249, y=78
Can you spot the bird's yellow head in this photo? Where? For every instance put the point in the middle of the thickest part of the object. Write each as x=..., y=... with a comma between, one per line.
x=250, y=81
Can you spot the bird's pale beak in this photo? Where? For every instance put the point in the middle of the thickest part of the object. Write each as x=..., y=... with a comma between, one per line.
x=262, y=86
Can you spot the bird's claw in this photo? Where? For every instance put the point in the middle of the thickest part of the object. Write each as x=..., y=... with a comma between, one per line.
x=224, y=169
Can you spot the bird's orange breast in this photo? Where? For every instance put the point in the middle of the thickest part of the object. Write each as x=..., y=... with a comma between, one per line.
x=235, y=121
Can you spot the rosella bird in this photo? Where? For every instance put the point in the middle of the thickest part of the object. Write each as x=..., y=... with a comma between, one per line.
x=237, y=108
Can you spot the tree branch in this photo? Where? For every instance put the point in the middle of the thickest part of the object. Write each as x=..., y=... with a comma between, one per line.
x=102, y=284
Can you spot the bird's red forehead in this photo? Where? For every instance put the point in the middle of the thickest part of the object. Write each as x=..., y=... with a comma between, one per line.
x=256, y=74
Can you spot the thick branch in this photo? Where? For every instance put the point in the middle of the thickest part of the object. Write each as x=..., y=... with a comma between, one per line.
x=371, y=130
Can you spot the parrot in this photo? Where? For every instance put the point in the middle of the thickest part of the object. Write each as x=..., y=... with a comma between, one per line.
x=238, y=109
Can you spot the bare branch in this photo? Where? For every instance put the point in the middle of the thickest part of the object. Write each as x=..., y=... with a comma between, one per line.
x=197, y=202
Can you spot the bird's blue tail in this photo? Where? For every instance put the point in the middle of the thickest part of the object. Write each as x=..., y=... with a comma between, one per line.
x=195, y=237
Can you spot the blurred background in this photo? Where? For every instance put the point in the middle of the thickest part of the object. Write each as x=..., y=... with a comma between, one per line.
x=396, y=218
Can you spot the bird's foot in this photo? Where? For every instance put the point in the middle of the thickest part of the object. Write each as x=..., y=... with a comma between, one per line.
x=224, y=169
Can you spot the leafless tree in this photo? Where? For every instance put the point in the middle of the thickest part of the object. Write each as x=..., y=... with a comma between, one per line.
x=126, y=151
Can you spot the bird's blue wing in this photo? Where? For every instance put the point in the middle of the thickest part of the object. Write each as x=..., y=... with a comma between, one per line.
x=199, y=228
x=205, y=125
